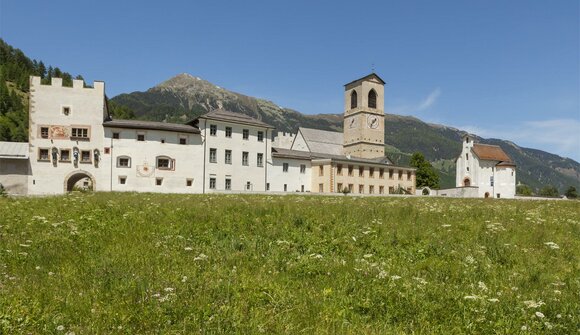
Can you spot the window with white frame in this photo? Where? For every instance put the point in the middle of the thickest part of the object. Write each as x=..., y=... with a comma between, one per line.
x=260, y=160
x=228, y=157
x=123, y=162
x=228, y=184
x=213, y=155
x=245, y=158
x=85, y=156
x=212, y=183
x=260, y=136
x=285, y=167
x=228, y=131
x=43, y=154
x=246, y=134
x=165, y=163
x=213, y=130
x=302, y=168
x=80, y=132
x=122, y=180
x=65, y=155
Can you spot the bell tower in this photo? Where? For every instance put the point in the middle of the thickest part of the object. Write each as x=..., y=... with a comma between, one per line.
x=364, y=117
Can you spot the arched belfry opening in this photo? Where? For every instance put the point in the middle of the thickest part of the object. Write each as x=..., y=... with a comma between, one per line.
x=353, y=99
x=80, y=180
x=372, y=99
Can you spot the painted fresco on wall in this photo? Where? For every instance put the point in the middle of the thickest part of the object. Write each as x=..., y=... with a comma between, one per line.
x=59, y=132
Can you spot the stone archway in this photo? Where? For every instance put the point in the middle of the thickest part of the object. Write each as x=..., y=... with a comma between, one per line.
x=466, y=181
x=75, y=177
x=486, y=195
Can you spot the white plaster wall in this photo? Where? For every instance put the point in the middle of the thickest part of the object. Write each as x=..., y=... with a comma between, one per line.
x=188, y=161
x=238, y=173
x=485, y=171
x=283, y=140
x=299, y=143
x=466, y=167
x=87, y=109
x=14, y=175
x=505, y=183
x=293, y=178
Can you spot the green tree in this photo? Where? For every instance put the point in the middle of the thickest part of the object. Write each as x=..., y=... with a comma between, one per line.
x=426, y=174
x=571, y=193
x=121, y=112
x=549, y=191
x=523, y=190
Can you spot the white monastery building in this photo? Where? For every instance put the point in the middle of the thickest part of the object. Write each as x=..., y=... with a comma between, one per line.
x=74, y=143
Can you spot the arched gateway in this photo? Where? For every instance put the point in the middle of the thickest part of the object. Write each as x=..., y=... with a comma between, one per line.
x=74, y=178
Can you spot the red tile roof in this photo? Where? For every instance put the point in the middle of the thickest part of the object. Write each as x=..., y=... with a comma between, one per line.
x=490, y=152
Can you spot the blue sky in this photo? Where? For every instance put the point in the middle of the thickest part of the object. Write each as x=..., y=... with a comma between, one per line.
x=505, y=69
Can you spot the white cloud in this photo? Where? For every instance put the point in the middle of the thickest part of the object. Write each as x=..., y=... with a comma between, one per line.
x=559, y=136
x=407, y=109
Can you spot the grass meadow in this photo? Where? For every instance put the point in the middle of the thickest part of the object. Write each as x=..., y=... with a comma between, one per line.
x=113, y=263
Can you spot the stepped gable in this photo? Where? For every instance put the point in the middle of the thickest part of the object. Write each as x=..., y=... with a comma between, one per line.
x=323, y=141
x=151, y=125
x=227, y=116
x=491, y=152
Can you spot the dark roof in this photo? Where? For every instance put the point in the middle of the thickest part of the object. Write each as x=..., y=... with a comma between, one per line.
x=296, y=154
x=490, y=152
x=367, y=77
x=227, y=116
x=138, y=124
x=506, y=164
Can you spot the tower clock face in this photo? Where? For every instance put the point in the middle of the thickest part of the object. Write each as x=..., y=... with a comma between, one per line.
x=352, y=122
x=373, y=121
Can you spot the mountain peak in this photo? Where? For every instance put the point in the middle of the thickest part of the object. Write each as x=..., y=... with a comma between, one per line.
x=182, y=80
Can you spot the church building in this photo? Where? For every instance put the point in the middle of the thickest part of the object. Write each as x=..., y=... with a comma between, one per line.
x=75, y=143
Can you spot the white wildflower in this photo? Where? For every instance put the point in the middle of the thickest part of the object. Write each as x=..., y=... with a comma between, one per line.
x=188, y=248
x=445, y=225
x=552, y=245
x=533, y=304
x=60, y=328
x=482, y=286
x=548, y=325
x=558, y=316
x=200, y=257
x=169, y=289
x=354, y=238
x=382, y=274
x=183, y=279
x=395, y=277
x=471, y=297
x=493, y=300
x=540, y=315
x=524, y=328
x=317, y=256
x=368, y=256
x=469, y=259
x=51, y=273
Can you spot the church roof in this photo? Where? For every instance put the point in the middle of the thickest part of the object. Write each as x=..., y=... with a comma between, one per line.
x=152, y=125
x=372, y=75
x=14, y=150
x=296, y=154
x=490, y=152
x=227, y=116
x=323, y=141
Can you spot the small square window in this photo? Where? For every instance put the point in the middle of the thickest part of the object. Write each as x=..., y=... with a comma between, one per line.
x=163, y=163
x=182, y=140
x=107, y=150
x=66, y=110
x=141, y=137
x=122, y=180
x=158, y=181
x=116, y=136
x=85, y=156
x=188, y=182
x=44, y=132
x=162, y=140
x=65, y=155
x=124, y=162
x=43, y=155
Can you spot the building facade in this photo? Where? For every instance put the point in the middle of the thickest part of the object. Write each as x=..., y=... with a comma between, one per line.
x=75, y=143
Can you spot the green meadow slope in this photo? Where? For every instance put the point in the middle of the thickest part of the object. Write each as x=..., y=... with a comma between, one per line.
x=111, y=263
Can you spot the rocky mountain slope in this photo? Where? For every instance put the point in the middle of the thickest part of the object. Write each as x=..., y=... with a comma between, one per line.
x=184, y=97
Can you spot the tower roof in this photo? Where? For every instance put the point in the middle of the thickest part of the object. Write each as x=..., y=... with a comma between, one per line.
x=367, y=77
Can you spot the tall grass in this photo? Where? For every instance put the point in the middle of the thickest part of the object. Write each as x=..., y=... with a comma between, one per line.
x=111, y=263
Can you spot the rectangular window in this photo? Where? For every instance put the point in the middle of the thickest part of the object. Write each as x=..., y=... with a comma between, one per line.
x=213, y=130
x=498, y=195
x=260, y=160
x=391, y=173
x=228, y=184
x=339, y=169
x=163, y=163
x=140, y=137
x=116, y=136
x=381, y=173
x=162, y=141
x=228, y=131
x=285, y=187
x=302, y=168
x=65, y=155
x=246, y=134
x=350, y=169
x=400, y=174
x=466, y=157
x=44, y=132
x=491, y=180
x=267, y=186
x=260, y=136
x=80, y=132
x=321, y=170
x=408, y=175
x=371, y=172
x=43, y=155
x=228, y=157
x=245, y=158
x=213, y=155
x=188, y=182
x=391, y=190
x=321, y=188
x=339, y=187
x=361, y=189
x=66, y=111
x=158, y=181
x=248, y=186
x=371, y=189
x=212, y=183
x=85, y=156
x=381, y=190
x=182, y=140
x=122, y=180
x=301, y=188
x=361, y=171
x=285, y=167
x=123, y=162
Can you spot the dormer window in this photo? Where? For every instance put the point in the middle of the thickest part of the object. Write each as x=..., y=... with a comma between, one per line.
x=353, y=99
x=372, y=99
